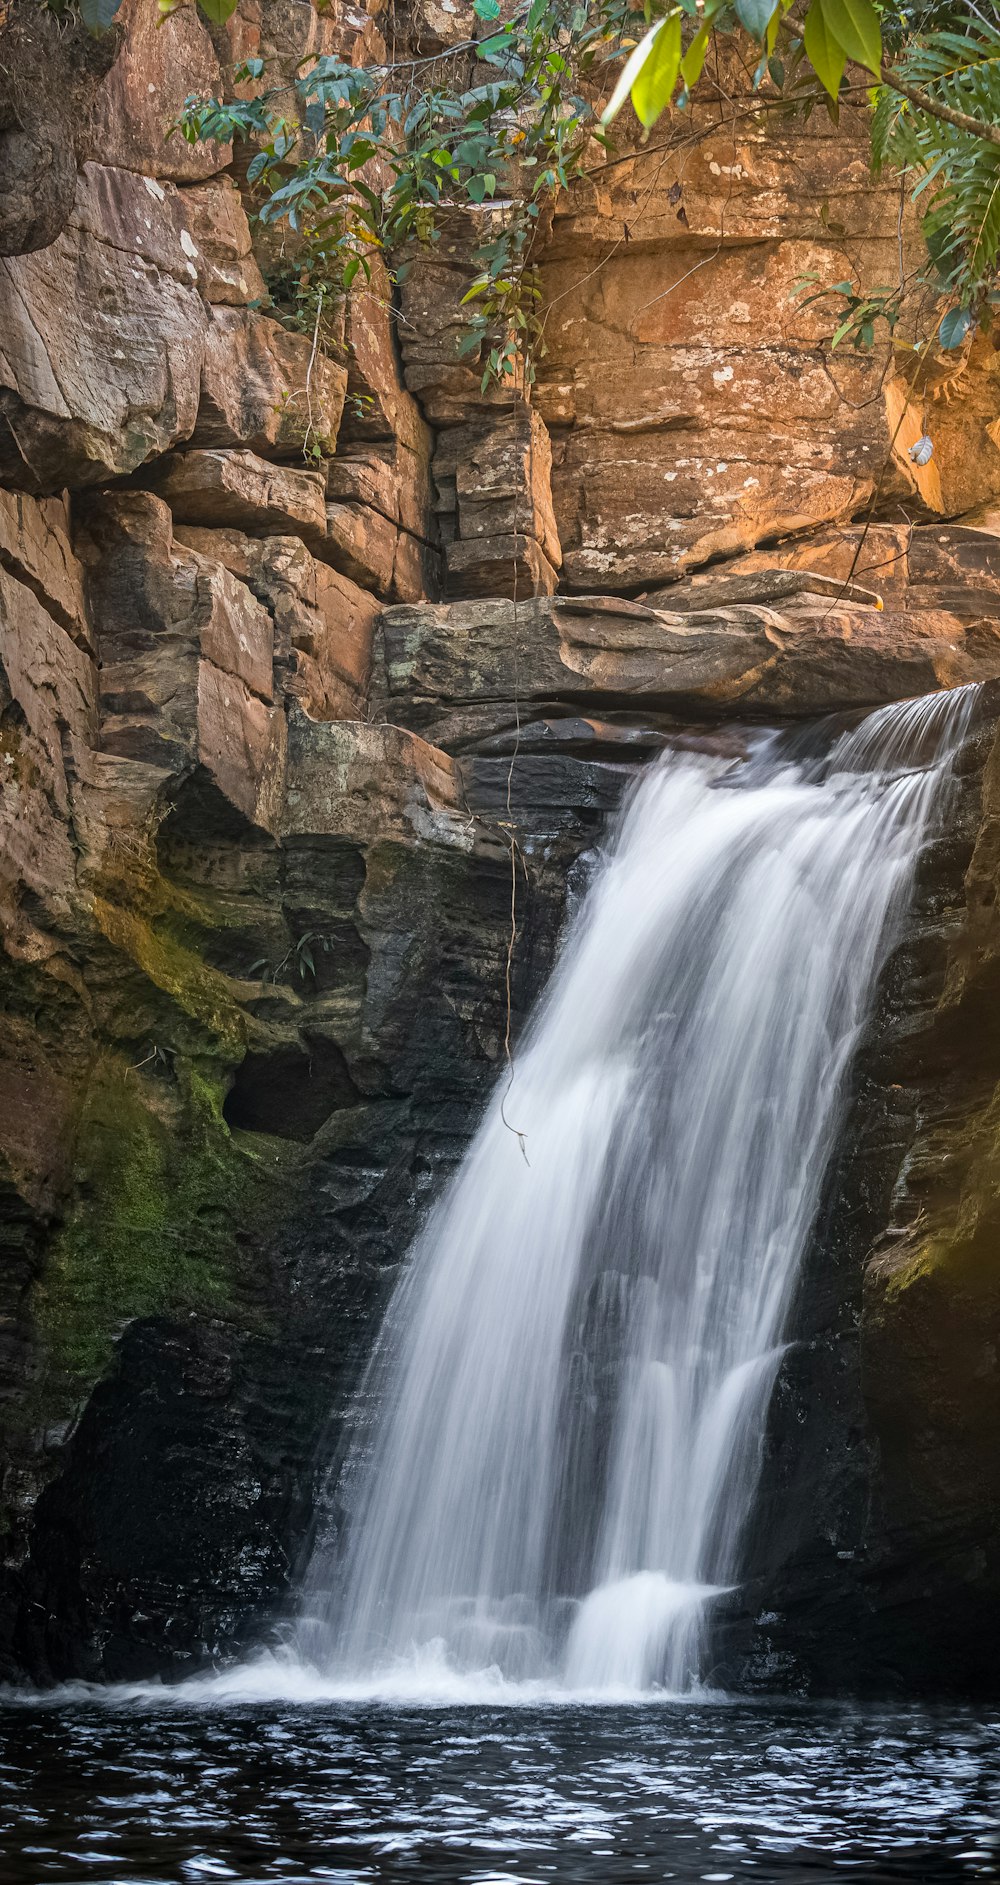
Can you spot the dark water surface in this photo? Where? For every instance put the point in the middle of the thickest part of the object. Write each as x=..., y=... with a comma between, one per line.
x=109, y=1790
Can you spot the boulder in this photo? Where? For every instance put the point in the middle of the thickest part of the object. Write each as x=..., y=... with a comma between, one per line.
x=186, y=653
x=373, y=784
x=942, y=565
x=362, y=543
x=493, y=478
x=323, y=623
x=391, y=480
x=238, y=488
x=454, y=670
x=499, y=566
x=213, y=213
x=164, y=59
x=263, y=387
x=388, y=477
x=102, y=336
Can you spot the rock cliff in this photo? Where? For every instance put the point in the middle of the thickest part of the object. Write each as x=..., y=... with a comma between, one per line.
x=306, y=656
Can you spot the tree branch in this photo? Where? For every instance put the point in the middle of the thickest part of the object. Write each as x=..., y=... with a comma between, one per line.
x=988, y=133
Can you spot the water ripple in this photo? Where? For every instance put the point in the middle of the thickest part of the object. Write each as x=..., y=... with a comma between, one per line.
x=120, y=1786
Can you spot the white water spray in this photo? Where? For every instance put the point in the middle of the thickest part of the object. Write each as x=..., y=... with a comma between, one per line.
x=573, y=1376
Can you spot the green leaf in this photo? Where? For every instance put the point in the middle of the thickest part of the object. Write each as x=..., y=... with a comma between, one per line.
x=351, y=269
x=486, y=9
x=653, y=88
x=629, y=73
x=495, y=49
x=854, y=24
x=954, y=327
x=97, y=15
x=695, y=56
x=825, y=53
x=755, y=15
x=217, y=11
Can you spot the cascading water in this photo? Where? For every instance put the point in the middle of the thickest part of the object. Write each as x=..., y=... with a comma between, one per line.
x=573, y=1375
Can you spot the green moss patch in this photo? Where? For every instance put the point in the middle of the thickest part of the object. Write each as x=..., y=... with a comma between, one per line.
x=163, y=1193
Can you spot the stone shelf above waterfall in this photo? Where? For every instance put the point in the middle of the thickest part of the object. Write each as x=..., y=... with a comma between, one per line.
x=763, y=643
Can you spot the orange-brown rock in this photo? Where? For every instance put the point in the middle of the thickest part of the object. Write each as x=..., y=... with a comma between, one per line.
x=162, y=62
x=217, y=222
x=101, y=338
x=35, y=547
x=264, y=387
x=238, y=488
x=457, y=670
x=362, y=543
x=323, y=623
x=186, y=651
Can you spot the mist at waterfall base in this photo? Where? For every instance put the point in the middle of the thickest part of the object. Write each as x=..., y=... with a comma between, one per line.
x=570, y=1388
x=557, y=1443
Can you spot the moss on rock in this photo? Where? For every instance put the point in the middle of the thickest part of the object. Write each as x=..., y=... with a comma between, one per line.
x=162, y=1196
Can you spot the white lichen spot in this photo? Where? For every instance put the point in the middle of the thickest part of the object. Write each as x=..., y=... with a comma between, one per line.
x=721, y=375
x=155, y=189
x=749, y=483
x=188, y=243
x=715, y=168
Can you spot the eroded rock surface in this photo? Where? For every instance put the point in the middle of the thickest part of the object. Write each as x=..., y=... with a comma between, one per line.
x=309, y=655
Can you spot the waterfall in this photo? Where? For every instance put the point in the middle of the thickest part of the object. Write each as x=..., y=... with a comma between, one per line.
x=573, y=1376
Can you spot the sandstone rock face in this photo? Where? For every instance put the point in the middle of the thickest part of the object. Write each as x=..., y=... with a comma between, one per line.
x=262, y=387
x=459, y=669
x=214, y=214
x=693, y=412
x=50, y=72
x=187, y=659
x=162, y=62
x=238, y=488
x=323, y=623
x=35, y=547
x=102, y=336
x=257, y=783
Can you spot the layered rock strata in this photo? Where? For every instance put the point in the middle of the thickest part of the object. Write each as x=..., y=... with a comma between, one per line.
x=308, y=656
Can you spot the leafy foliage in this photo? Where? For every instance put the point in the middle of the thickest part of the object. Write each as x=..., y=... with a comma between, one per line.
x=958, y=172
x=367, y=161
x=357, y=167
x=857, y=313
x=99, y=15
x=358, y=164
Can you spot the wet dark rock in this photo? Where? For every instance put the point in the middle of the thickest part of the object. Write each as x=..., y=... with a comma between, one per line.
x=873, y=1561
